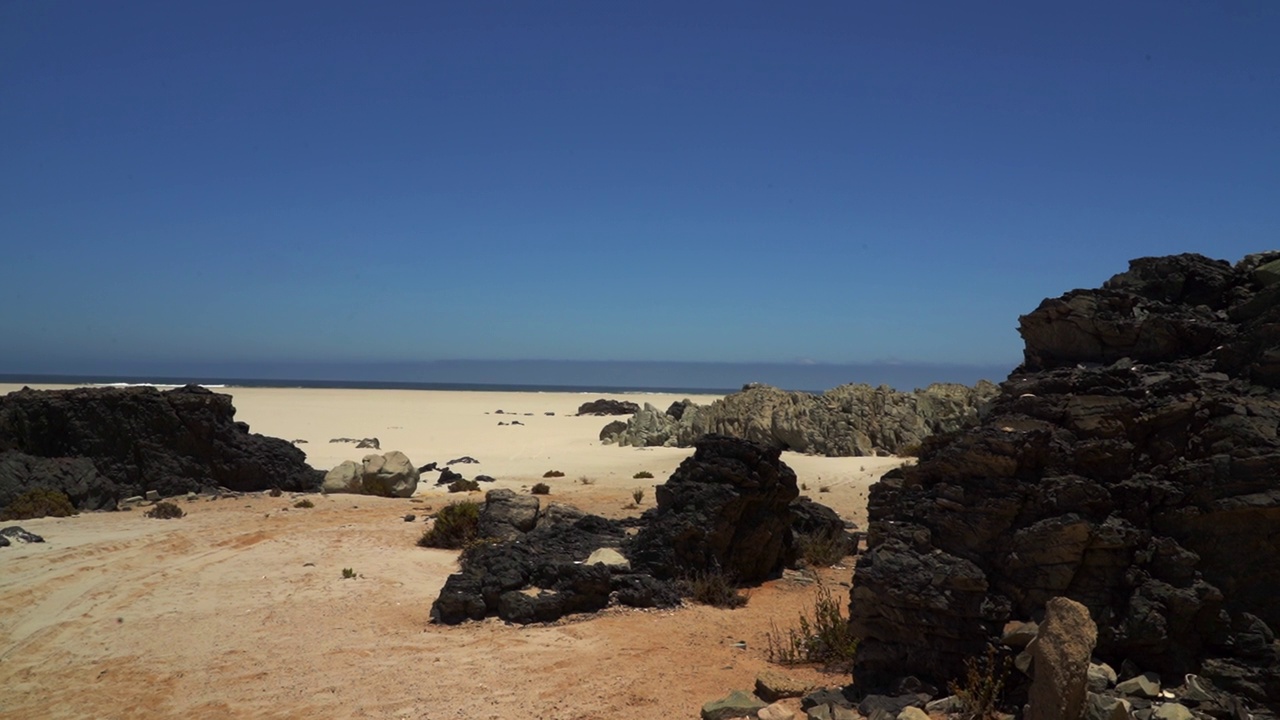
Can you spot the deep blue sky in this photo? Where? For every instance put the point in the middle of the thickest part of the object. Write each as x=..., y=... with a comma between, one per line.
x=740, y=181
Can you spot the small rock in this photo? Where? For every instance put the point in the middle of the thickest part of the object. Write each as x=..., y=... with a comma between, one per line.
x=153, y=496
x=826, y=696
x=464, y=460
x=410, y=517
x=1018, y=634
x=1101, y=677
x=1172, y=711
x=818, y=712
x=610, y=558
x=772, y=685
x=485, y=478
x=130, y=502
x=1146, y=685
x=776, y=711
x=913, y=713
x=1105, y=707
x=738, y=703
x=945, y=706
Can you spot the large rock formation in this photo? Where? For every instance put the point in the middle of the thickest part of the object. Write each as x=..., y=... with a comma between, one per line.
x=605, y=406
x=727, y=508
x=848, y=420
x=1132, y=464
x=135, y=440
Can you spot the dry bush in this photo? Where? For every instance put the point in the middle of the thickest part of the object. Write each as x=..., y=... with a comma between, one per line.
x=541, y=489
x=455, y=526
x=642, y=475
x=981, y=690
x=304, y=503
x=38, y=502
x=824, y=549
x=165, y=510
x=821, y=636
x=715, y=588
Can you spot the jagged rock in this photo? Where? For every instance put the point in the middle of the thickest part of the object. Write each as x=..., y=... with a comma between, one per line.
x=612, y=429
x=1104, y=707
x=1060, y=661
x=369, y=444
x=1131, y=463
x=346, y=477
x=848, y=420
x=464, y=460
x=429, y=467
x=676, y=410
x=448, y=476
x=607, y=407
x=137, y=439
x=1101, y=677
x=388, y=475
x=825, y=696
x=776, y=711
x=725, y=507
x=608, y=557
x=736, y=704
x=486, y=478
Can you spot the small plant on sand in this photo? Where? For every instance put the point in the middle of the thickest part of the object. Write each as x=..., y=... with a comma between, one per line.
x=638, y=495
x=541, y=489
x=275, y=492
x=643, y=475
x=821, y=636
x=804, y=486
x=463, y=485
x=165, y=510
x=348, y=574
x=455, y=526
x=38, y=502
x=715, y=588
x=586, y=480
x=823, y=549
x=981, y=690
x=304, y=503
x=552, y=473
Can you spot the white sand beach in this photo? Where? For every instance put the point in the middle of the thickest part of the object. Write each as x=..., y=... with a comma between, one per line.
x=240, y=609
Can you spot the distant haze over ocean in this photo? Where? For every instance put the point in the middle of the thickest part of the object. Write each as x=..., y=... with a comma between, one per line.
x=522, y=374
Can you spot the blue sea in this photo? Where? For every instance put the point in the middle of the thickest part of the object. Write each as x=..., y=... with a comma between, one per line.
x=530, y=375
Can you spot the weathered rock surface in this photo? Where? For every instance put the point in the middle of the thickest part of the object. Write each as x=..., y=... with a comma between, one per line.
x=1132, y=463
x=15, y=533
x=848, y=420
x=736, y=704
x=1060, y=661
x=725, y=507
x=346, y=477
x=607, y=407
x=389, y=475
x=137, y=439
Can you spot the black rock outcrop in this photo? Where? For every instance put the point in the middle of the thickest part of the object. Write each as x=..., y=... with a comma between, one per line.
x=608, y=407
x=99, y=445
x=725, y=507
x=1132, y=463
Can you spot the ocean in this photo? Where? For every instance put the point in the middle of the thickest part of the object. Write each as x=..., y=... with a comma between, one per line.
x=532, y=376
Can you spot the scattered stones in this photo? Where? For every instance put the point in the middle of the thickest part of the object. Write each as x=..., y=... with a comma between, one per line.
x=1060, y=661
x=736, y=704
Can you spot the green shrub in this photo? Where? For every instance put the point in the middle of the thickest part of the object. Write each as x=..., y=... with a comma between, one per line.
x=643, y=475
x=38, y=502
x=463, y=485
x=981, y=690
x=455, y=526
x=348, y=573
x=714, y=588
x=304, y=503
x=822, y=636
x=637, y=495
x=823, y=549
x=541, y=489
x=552, y=474
x=165, y=510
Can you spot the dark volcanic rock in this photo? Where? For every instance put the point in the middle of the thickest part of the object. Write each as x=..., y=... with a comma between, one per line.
x=608, y=407
x=15, y=532
x=725, y=507
x=1132, y=463
x=138, y=439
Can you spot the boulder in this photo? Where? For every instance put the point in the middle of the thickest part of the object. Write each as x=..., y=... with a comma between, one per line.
x=1131, y=463
x=736, y=704
x=14, y=533
x=389, y=475
x=607, y=407
x=1060, y=661
x=347, y=477
x=138, y=439
x=772, y=685
x=506, y=515
x=725, y=508
x=609, y=557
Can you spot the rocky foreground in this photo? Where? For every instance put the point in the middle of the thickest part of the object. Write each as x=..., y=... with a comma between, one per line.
x=101, y=445
x=1132, y=464
x=851, y=420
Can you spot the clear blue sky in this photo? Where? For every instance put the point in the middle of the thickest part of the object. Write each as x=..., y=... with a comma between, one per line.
x=739, y=181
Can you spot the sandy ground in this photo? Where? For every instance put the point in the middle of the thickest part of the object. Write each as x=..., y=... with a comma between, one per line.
x=240, y=609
